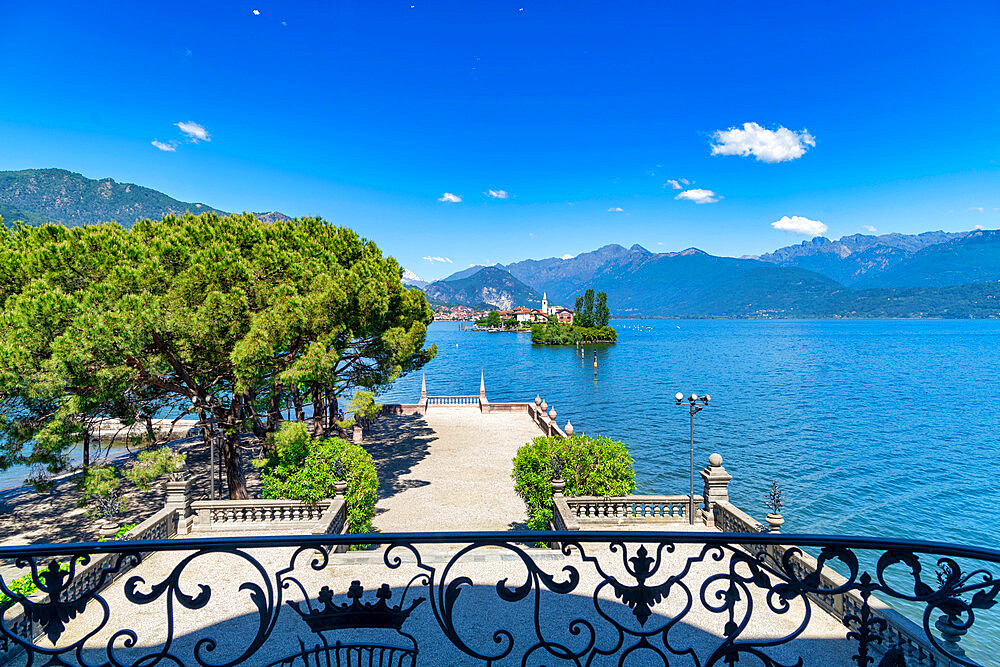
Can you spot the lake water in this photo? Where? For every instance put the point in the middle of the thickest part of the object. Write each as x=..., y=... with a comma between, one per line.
x=870, y=427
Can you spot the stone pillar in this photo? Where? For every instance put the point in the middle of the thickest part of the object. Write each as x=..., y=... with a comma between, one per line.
x=179, y=500
x=357, y=434
x=716, y=487
x=423, y=387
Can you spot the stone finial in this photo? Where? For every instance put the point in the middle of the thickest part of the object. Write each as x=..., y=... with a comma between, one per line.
x=482, y=384
x=544, y=406
x=716, y=486
x=569, y=428
x=552, y=415
x=538, y=400
x=423, y=386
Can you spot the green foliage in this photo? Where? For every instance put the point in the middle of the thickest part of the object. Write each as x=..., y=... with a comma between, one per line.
x=25, y=585
x=592, y=466
x=120, y=533
x=554, y=333
x=491, y=320
x=153, y=464
x=364, y=408
x=602, y=314
x=101, y=489
x=99, y=321
x=305, y=468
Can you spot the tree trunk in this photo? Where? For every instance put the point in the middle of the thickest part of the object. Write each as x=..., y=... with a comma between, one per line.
x=274, y=409
x=236, y=481
x=256, y=425
x=318, y=410
x=333, y=407
x=300, y=414
x=149, y=429
x=86, y=449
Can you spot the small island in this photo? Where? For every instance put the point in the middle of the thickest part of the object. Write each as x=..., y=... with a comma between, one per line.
x=589, y=324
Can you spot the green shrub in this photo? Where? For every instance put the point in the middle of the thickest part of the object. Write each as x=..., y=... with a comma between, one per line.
x=25, y=585
x=100, y=487
x=152, y=464
x=301, y=467
x=594, y=466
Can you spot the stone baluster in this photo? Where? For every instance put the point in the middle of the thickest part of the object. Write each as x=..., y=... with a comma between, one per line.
x=716, y=487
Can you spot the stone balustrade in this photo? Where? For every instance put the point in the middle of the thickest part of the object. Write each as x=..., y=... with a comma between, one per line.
x=266, y=515
x=454, y=401
x=621, y=510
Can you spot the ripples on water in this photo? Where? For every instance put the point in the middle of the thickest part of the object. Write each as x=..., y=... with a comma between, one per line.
x=871, y=427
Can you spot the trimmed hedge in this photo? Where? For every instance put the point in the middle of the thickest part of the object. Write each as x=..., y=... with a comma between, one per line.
x=593, y=466
x=301, y=467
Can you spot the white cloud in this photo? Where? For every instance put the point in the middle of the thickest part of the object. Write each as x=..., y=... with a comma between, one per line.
x=616, y=209
x=799, y=225
x=256, y=12
x=699, y=196
x=568, y=256
x=498, y=194
x=193, y=131
x=979, y=227
x=448, y=197
x=659, y=243
x=171, y=147
x=870, y=228
x=766, y=145
x=977, y=208
x=410, y=275
x=443, y=260
x=677, y=184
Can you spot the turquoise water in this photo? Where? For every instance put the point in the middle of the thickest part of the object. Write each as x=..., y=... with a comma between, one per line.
x=871, y=427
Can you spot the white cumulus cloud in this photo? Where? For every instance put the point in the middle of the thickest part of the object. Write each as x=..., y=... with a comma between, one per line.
x=699, y=196
x=677, y=184
x=870, y=228
x=497, y=194
x=449, y=197
x=766, y=145
x=169, y=147
x=615, y=209
x=568, y=256
x=443, y=260
x=796, y=224
x=193, y=131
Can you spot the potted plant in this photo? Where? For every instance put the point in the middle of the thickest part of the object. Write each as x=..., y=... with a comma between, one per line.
x=774, y=502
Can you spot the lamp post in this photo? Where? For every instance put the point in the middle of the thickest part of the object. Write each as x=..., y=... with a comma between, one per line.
x=695, y=404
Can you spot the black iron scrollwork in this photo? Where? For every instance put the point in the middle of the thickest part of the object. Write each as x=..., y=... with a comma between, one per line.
x=635, y=596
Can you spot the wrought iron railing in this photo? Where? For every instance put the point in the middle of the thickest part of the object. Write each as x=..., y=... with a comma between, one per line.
x=670, y=598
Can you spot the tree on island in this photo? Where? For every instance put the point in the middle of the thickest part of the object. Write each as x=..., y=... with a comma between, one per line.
x=227, y=316
x=492, y=320
x=590, y=312
x=590, y=324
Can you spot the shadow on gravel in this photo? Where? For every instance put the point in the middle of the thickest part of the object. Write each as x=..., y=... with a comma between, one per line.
x=397, y=443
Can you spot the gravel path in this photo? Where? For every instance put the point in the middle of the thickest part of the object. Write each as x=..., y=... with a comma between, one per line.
x=449, y=470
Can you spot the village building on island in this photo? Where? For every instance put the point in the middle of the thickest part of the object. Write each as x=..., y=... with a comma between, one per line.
x=524, y=315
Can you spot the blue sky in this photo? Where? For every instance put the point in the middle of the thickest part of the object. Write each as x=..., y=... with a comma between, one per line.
x=367, y=113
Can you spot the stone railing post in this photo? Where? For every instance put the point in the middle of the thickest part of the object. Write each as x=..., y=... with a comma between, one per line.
x=179, y=500
x=552, y=421
x=716, y=487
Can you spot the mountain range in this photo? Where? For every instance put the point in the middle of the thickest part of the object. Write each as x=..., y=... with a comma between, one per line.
x=37, y=196
x=933, y=274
